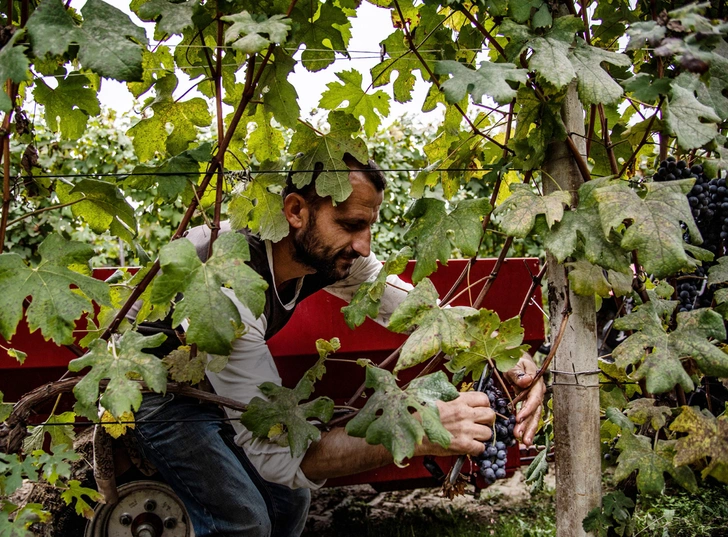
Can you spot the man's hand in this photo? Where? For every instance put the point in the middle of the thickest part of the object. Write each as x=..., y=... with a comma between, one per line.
x=529, y=415
x=469, y=419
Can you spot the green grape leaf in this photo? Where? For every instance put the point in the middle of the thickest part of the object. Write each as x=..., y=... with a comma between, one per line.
x=597, y=523
x=245, y=32
x=327, y=150
x=636, y=454
x=279, y=95
x=642, y=411
x=5, y=409
x=646, y=88
x=367, y=299
x=55, y=306
x=620, y=420
x=265, y=142
x=436, y=232
x=156, y=65
x=185, y=368
x=15, y=521
x=683, y=115
x=550, y=58
x=359, y=102
x=14, y=65
x=283, y=419
x=655, y=231
x=20, y=356
x=490, y=79
x=151, y=135
x=595, y=85
x=171, y=17
x=110, y=44
x=718, y=273
x=214, y=318
x=68, y=107
x=76, y=492
x=537, y=470
x=706, y=436
x=321, y=33
x=587, y=279
x=493, y=342
x=520, y=10
x=257, y=208
x=382, y=72
x=386, y=418
x=51, y=29
x=60, y=433
x=175, y=175
x=116, y=361
x=519, y=210
x=642, y=32
x=13, y=470
x=55, y=465
x=104, y=207
x=437, y=328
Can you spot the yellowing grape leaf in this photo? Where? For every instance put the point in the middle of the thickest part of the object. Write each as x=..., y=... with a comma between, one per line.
x=655, y=230
x=326, y=152
x=367, y=299
x=494, y=342
x=490, y=79
x=637, y=454
x=520, y=209
x=359, y=102
x=214, y=319
x=116, y=361
x=437, y=328
x=707, y=436
x=55, y=306
x=436, y=233
x=282, y=418
x=75, y=491
x=386, y=418
x=718, y=273
x=642, y=411
x=68, y=106
x=184, y=368
x=117, y=427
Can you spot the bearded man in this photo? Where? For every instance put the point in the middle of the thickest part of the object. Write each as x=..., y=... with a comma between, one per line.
x=235, y=485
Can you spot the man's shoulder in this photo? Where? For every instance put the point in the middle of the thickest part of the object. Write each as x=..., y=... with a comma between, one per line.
x=199, y=236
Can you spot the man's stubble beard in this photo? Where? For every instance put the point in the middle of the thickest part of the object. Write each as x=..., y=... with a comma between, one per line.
x=310, y=251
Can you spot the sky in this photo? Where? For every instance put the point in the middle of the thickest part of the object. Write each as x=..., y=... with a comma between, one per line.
x=372, y=25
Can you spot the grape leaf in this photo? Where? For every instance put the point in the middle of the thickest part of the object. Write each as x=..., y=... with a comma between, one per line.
x=646, y=87
x=156, y=65
x=381, y=73
x=359, y=102
x=76, y=492
x=662, y=366
x=636, y=454
x=367, y=299
x=14, y=65
x=718, y=273
x=282, y=419
x=645, y=32
x=20, y=356
x=13, y=470
x=327, y=151
x=104, y=207
x=321, y=33
x=494, y=342
x=214, y=318
x=245, y=32
x=55, y=306
x=550, y=58
x=5, y=409
x=115, y=361
x=537, y=470
x=490, y=79
x=55, y=465
x=587, y=279
x=58, y=432
x=51, y=29
x=151, y=134
x=437, y=328
x=117, y=427
x=683, y=114
x=656, y=231
x=436, y=232
x=386, y=418
x=69, y=106
x=169, y=185
x=707, y=436
x=595, y=85
x=279, y=95
x=642, y=411
x=519, y=210
x=259, y=209
x=520, y=10
x=265, y=142
x=171, y=17
x=15, y=521
x=185, y=368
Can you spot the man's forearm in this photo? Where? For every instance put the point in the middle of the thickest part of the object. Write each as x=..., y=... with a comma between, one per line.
x=338, y=454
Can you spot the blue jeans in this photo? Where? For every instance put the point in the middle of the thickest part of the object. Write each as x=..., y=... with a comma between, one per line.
x=222, y=491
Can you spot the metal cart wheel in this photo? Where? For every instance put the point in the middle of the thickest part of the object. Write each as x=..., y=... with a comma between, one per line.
x=144, y=509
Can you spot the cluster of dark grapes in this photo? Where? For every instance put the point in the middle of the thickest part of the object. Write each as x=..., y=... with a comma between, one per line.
x=708, y=201
x=492, y=462
x=610, y=451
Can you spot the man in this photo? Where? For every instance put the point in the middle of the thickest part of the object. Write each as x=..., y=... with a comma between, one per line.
x=233, y=484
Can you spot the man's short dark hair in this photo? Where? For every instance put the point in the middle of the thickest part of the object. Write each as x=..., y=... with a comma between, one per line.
x=371, y=170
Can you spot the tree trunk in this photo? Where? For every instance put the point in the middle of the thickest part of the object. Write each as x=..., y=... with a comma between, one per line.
x=576, y=397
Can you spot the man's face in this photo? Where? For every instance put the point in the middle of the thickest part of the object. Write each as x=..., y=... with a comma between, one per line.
x=333, y=237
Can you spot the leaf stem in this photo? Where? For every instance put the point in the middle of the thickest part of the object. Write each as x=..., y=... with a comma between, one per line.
x=39, y=211
x=644, y=138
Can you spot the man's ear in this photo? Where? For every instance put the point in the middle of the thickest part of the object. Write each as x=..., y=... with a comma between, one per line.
x=297, y=210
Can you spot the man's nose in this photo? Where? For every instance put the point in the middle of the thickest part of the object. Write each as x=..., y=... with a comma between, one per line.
x=361, y=243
